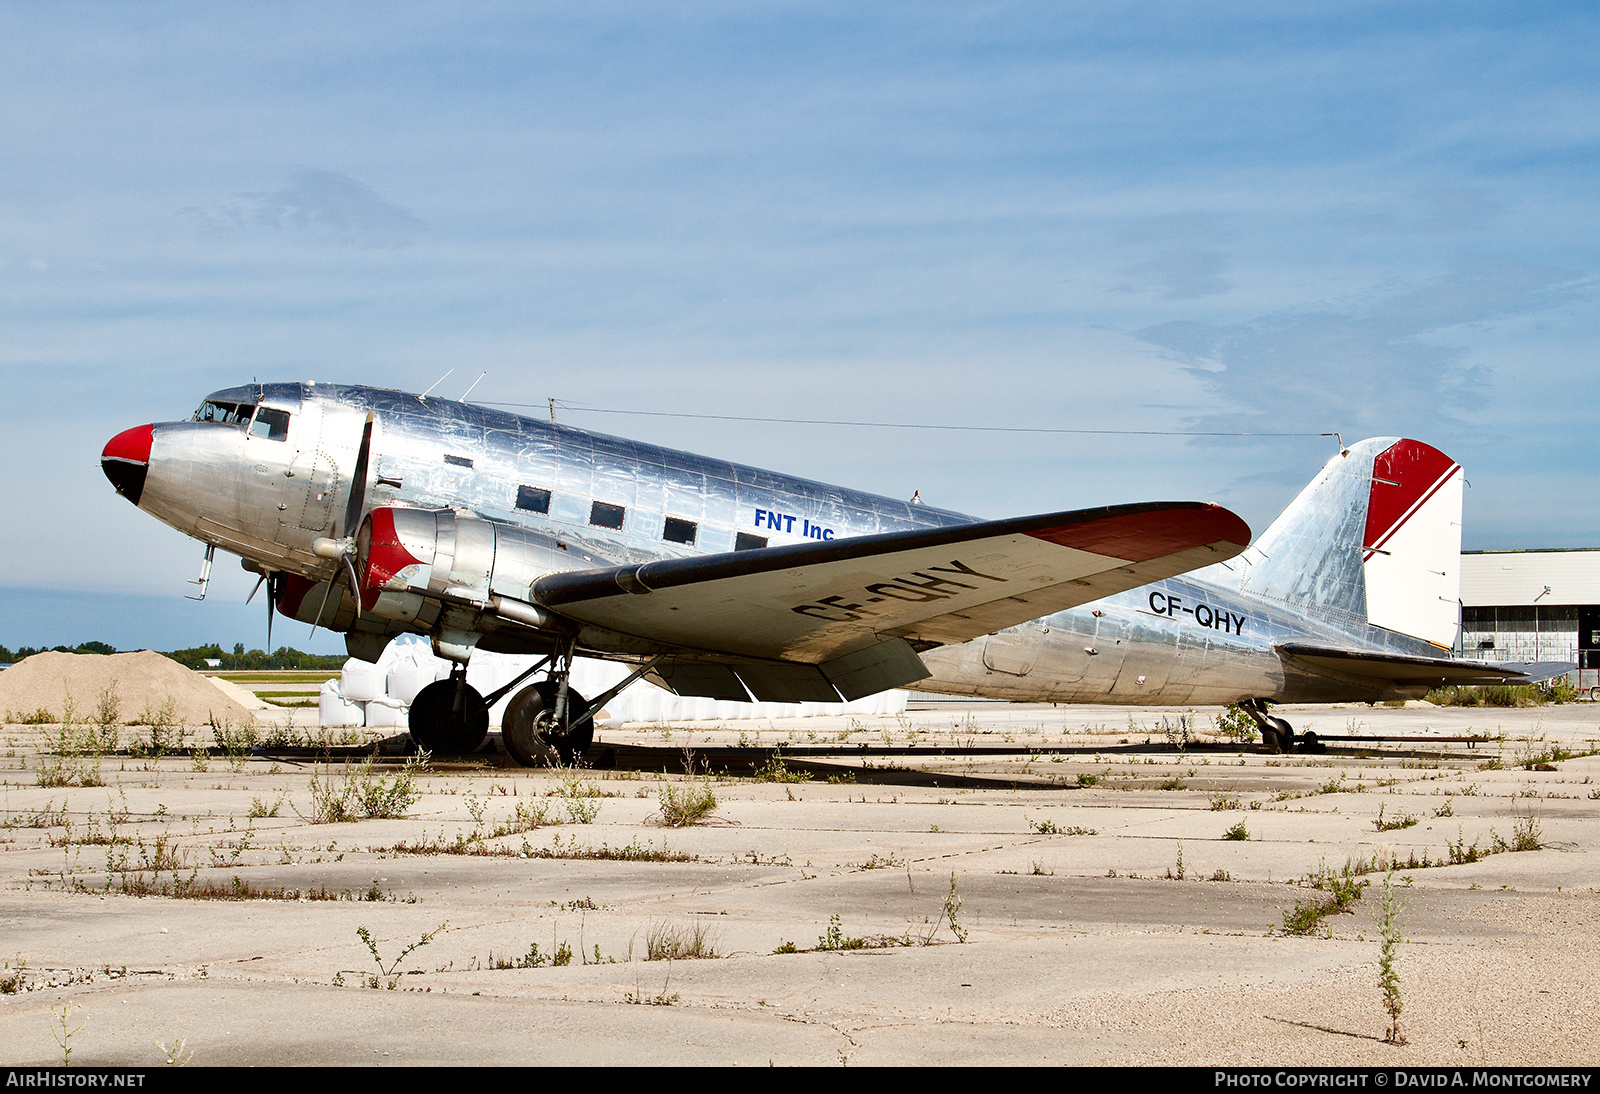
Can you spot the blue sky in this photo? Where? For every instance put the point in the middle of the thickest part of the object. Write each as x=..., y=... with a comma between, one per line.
x=1367, y=218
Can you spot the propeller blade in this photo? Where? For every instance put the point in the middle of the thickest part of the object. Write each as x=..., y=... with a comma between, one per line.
x=255, y=590
x=355, y=586
x=358, y=482
x=332, y=581
x=271, y=605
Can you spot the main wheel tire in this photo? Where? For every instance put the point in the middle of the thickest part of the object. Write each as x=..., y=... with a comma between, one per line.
x=438, y=727
x=528, y=732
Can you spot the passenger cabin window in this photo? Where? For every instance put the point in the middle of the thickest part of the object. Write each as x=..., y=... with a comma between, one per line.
x=680, y=531
x=224, y=413
x=605, y=515
x=271, y=424
x=533, y=499
x=744, y=541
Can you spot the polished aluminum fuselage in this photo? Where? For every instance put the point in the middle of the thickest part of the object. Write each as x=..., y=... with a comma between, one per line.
x=1206, y=637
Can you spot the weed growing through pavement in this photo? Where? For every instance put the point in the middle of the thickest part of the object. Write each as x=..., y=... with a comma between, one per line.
x=62, y=1029
x=1404, y=820
x=687, y=804
x=363, y=793
x=175, y=1055
x=677, y=942
x=14, y=980
x=776, y=771
x=952, y=908
x=533, y=959
x=1048, y=827
x=1177, y=873
x=1237, y=832
x=1343, y=889
x=390, y=971
x=1389, y=945
x=1234, y=724
x=579, y=797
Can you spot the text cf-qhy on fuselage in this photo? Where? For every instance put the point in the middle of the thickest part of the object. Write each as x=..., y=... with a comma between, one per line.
x=487, y=530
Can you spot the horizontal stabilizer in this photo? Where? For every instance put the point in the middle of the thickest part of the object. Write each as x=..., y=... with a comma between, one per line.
x=823, y=603
x=1405, y=669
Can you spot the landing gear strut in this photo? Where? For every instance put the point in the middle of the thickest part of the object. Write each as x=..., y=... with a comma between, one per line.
x=449, y=716
x=548, y=722
x=1276, y=734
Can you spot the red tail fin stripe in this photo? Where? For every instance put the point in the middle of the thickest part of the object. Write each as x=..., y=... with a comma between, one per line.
x=1404, y=476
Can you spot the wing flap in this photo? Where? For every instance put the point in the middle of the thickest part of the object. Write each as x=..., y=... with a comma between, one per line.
x=815, y=603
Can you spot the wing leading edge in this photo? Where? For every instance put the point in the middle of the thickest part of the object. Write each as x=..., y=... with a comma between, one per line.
x=846, y=616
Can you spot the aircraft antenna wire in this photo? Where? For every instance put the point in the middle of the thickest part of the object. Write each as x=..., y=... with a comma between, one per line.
x=577, y=408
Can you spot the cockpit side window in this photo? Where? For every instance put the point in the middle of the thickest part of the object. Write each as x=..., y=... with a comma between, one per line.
x=271, y=424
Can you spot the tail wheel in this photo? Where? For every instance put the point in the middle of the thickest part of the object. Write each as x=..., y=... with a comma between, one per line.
x=442, y=725
x=531, y=735
x=1279, y=735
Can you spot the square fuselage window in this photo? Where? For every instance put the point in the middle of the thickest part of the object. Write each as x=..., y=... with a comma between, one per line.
x=533, y=499
x=680, y=531
x=605, y=515
x=744, y=541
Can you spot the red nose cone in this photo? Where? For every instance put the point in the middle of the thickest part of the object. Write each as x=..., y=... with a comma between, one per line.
x=126, y=459
x=130, y=446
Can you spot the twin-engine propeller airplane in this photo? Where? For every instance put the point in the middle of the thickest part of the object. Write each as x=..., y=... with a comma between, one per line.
x=376, y=512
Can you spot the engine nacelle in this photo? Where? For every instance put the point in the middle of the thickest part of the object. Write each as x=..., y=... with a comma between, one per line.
x=408, y=558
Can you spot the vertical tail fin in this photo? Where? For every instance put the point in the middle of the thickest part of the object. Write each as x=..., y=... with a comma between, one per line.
x=1374, y=539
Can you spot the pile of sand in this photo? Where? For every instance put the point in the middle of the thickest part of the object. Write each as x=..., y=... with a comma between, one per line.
x=139, y=685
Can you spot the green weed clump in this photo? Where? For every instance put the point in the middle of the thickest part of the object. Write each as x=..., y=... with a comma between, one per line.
x=1343, y=889
x=680, y=942
x=1405, y=820
x=687, y=804
x=365, y=794
x=1234, y=724
x=776, y=771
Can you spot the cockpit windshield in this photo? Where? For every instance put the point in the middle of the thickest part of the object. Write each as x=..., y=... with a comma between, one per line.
x=259, y=421
x=227, y=413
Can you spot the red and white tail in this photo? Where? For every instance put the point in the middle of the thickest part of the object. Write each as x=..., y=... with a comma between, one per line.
x=1374, y=539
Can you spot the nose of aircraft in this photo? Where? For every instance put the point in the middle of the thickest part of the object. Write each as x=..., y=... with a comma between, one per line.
x=126, y=459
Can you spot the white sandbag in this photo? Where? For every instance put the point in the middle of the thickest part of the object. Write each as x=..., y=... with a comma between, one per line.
x=360, y=682
x=382, y=714
x=334, y=709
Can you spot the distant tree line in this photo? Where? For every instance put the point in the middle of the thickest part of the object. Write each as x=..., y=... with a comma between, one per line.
x=196, y=658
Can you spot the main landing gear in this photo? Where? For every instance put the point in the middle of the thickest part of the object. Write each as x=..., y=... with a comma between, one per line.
x=544, y=726
x=449, y=717
x=1278, y=735
x=545, y=723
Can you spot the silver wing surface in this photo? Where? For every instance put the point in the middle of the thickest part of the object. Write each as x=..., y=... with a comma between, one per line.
x=859, y=609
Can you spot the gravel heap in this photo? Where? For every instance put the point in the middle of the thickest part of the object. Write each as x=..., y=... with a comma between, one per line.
x=139, y=684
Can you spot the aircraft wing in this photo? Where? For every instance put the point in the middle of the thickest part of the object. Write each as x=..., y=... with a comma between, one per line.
x=859, y=608
x=1407, y=669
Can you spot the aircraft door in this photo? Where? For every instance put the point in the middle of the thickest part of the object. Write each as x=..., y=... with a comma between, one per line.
x=310, y=481
x=1110, y=650
x=1012, y=651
